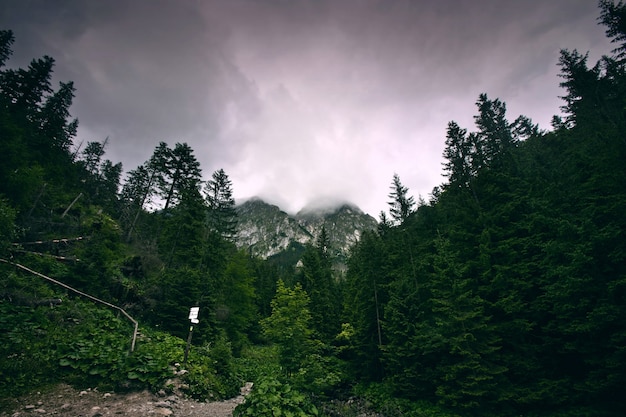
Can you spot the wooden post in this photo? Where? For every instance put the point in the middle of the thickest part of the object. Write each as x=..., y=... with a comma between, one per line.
x=193, y=316
x=188, y=345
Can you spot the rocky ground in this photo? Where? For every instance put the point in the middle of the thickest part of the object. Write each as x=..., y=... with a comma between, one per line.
x=65, y=401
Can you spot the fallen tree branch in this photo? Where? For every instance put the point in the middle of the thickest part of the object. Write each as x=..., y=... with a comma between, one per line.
x=41, y=242
x=57, y=257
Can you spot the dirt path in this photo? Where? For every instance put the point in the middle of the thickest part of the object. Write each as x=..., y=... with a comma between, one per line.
x=65, y=401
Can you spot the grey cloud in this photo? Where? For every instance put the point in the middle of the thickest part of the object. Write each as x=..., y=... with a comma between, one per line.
x=302, y=99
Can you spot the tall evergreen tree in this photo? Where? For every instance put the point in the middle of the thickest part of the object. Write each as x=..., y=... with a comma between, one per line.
x=316, y=278
x=6, y=40
x=222, y=213
x=613, y=16
x=289, y=326
x=239, y=300
x=181, y=173
x=364, y=305
x=401, y=204
x=101, y=177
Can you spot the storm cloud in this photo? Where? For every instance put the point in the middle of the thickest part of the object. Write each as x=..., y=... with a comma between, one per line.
x=301, y=101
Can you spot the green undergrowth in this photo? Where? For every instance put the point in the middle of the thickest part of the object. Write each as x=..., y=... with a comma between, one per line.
x=273, y=398
x=87, y=346
x=380, y=397
x=258, y=361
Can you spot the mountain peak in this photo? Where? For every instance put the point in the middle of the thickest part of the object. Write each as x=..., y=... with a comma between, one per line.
x=265, y=230
x=322, y=208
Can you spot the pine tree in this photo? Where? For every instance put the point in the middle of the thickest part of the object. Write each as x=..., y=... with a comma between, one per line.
x=180, y=173
x=401, y=204
x=613, y=16
x=239, y=299
x=101, y=177
x=6, y=40
x=289, y=326
x=219, y=198
x=364, y=305
x=316, y=278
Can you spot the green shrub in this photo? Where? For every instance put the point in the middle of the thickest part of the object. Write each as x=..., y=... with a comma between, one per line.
x=82, y=344
x=320, y=375
x=101, y=354
x=256, y=362
x=87, y=345
x=211, y=372
x=380, y=397
x=271, y=398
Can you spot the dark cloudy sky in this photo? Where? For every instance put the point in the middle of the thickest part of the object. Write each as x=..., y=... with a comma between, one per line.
x=305, y=99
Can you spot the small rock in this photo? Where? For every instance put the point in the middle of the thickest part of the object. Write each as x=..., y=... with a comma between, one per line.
x=106, y=395
x=95, y=408
x=40, y=403
x=29, y=407
x=65, y=406
x=161, y=393
x=82, y=393
x=163, y=404
x=40, y=411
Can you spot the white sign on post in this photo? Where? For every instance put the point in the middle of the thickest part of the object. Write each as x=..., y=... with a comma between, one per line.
x=193, y=314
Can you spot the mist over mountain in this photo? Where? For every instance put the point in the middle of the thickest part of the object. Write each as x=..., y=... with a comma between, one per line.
x=266, y=231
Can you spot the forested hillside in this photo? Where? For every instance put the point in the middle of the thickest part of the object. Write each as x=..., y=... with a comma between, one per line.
x=504, y=294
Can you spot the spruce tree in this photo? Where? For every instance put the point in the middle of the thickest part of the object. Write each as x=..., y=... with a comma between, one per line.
x=401, y=204
x=219, y=197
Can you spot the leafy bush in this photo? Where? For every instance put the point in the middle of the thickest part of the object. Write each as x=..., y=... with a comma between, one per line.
x=100, y=352
x=271, y=398
x=81, y=343
x=211, y=372
x=320, y=374
x=257, y=362
x=380, y=397
x=27, y=354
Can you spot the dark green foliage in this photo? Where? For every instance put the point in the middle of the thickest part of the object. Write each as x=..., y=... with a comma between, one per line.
x=36, y=135
x=212, y=374
x=380, y=397
x=364, y=301
x=88, y=345
x=7, y=226
x=613, y=16
x=506, y=293
x=178, y=172
x=222, y=214
x=101, y=177
x=266, y=275
x=317, y=281
x=239, y=301
x=83, y=343
x=6, y=40
x=401, y=204
x=271, y=398
x=449, y=345
x=289, y=327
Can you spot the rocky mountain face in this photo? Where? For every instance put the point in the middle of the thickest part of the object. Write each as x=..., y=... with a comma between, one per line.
x=266, y=231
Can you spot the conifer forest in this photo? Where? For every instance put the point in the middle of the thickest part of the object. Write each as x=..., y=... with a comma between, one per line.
x=502, y=294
